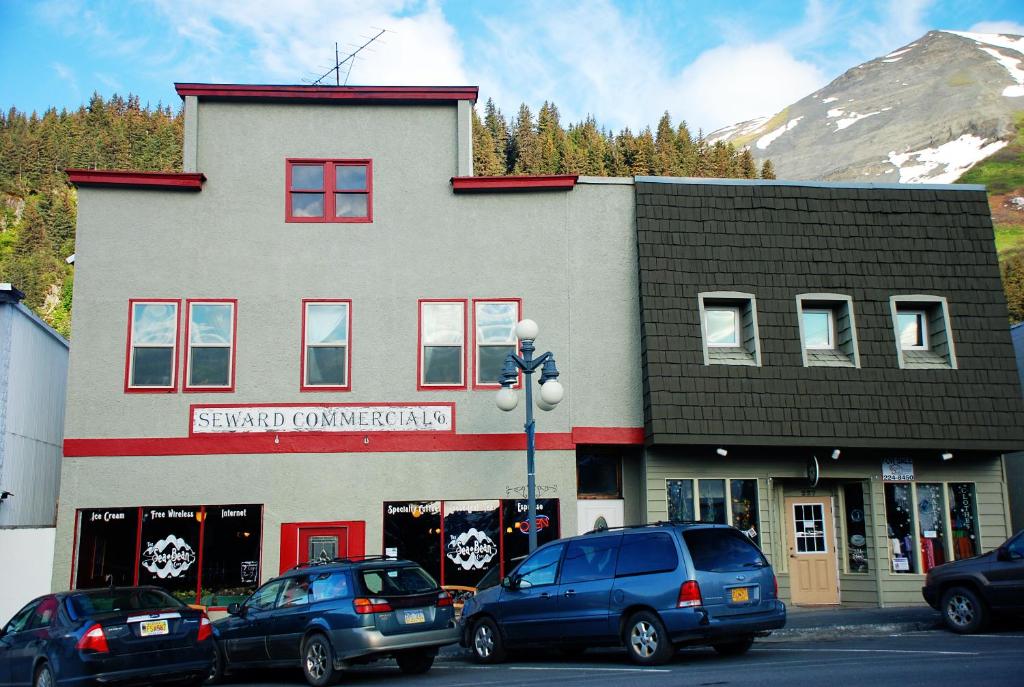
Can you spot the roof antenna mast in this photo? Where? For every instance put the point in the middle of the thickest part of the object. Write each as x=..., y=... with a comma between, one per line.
x=350, y=59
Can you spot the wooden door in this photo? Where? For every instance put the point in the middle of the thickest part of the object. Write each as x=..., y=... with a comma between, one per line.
x=813, y=575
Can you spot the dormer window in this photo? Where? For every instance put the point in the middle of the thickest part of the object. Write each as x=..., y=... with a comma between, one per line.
x=924, y=335
x=329, y=191
x=828, y=333
x=728, y=323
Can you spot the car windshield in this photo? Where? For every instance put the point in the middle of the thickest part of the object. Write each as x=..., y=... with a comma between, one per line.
x=83, y=604
x=720, y=549
x=395, y=581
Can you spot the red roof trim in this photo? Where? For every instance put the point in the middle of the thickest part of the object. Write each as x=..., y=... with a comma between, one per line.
x=560, y=182
x=359, y=94
x=179, y=181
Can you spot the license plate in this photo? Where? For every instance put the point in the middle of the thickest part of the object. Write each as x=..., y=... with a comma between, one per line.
x=153, y=627
x=412, y=617
x=740, y=594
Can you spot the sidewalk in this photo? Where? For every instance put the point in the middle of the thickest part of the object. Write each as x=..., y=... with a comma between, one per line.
x=832, y=622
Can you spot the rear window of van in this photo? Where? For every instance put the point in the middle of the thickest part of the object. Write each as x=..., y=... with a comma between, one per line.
x=650, y=552
x=721, y=549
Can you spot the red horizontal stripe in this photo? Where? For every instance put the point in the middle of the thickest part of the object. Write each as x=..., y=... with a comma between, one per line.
x=185, y=181
x=371, y=442
x=436, y=94
x=563, y=182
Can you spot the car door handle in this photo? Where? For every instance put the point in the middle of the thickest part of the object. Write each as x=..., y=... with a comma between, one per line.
x=544, y=595
x=570, y=592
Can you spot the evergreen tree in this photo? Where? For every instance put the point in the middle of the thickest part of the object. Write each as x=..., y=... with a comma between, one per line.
x=526, y=153
x=498, y=128
x=485, y=161
x=767, y=170
x=747, y=166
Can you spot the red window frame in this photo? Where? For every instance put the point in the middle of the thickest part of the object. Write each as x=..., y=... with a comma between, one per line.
x=306, y=302
x=173, y=388
x=420, y=386
x=476, y=348
x=330, y=166
x=187, y=345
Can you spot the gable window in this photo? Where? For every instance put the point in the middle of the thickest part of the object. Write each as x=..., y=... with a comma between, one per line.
x=325, y=345
x=329, y=191
x=494, y=328
x=728, y=322
x=924, y=336
x=442, y=337
x=828, y=333
x=151, y=363
x=210, y=330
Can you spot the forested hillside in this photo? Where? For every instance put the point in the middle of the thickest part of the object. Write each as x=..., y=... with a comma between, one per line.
x=37, y=206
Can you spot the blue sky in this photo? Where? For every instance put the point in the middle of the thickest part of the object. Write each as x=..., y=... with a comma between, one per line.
x=625, y=62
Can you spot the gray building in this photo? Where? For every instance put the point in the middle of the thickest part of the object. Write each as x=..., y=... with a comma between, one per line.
x=1015, y=461
x=290, y=349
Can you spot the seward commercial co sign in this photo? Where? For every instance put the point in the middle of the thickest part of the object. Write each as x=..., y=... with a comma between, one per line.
x=322, y=417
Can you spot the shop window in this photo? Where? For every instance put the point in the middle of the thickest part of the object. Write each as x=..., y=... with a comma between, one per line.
x=598, y=472
x=210, y=331
x=711, y=495
x=711, y=505
x=856, y=529
x=515, y=541
x=107, y=540
x=680, y=501
x=442, y=336
x=231, y=553
x=151, y=363
x=729, y=328
x=494, y=328
x=743, y=507
x=472, y=530
x=924, y=336
x=169, y=550
x=931, y=521
x=963, y=520
x=329, y=191
x=827, y=331
x=326, y=329
x=412, y=530
x=899, y=516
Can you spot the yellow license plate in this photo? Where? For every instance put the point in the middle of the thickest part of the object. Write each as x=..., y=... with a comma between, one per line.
x=153, y=627
x=412, y=617
x=740, y=594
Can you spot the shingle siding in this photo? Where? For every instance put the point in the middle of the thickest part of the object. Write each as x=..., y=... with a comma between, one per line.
x=869, y=243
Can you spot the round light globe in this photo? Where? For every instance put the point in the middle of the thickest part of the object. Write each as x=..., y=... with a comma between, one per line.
x=506, y=399
x=552, y=392
x=543, y=405
x=527, y=330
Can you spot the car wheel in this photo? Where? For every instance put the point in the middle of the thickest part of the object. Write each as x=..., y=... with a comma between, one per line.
x=734, y=648
x=486, y=642
x=318, y=661
x=44, y=677
x=216, y=668
x=415, y=662
x=646, y=640
x=963, y=611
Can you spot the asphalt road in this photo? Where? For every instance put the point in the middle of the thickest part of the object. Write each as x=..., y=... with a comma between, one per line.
x=924, y=659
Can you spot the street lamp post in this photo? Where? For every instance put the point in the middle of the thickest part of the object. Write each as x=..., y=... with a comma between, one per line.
x=551, y=393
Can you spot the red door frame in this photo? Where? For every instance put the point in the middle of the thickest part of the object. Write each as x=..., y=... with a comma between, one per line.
x=355, y=541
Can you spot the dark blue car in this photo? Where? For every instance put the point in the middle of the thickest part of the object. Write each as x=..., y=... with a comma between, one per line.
x=650, y=589
x=133, y=635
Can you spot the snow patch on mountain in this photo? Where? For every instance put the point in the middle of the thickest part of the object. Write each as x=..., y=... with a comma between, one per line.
x=742, y=129
x=1016, y=73
x=1011, y=63
x=851, y=118
x=830, y=100
x=767, y=139
x=999, y=40
x=945, y=163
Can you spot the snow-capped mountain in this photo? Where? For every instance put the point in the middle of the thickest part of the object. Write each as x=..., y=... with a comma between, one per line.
x=922, y=114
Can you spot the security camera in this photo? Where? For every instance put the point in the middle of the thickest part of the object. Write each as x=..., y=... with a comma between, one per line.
x=5, y=494
x=835, y=454
x=722, y=452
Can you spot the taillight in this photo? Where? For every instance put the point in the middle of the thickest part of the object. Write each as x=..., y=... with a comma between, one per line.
x=205, y=628
x=444, y=599
x=365, y=606
x=94, y=640
x=689, y=595
x=775, y=585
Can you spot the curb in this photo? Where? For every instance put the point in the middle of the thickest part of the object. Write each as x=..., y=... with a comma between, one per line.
x=860, y=630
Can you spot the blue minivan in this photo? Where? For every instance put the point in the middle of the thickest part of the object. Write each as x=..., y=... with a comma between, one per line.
x=649, y=588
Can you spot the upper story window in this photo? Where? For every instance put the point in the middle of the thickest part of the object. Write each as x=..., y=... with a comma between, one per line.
x=210, y=363
x=442, y=343
x=326, y=326
x=828, y=333
x=329, y=191
x=151, y=363
x=494, y=327
x=924, y=336
x=728, y=323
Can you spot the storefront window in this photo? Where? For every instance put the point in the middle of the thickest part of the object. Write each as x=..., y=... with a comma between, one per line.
x=412, y=530
x=471, y=535
x=231, y=553
x=515, y=542
x=856, y=530
x=744, y=507
x=169, y=548
x=931, y=519
x=680, y=500
x=963, y=519
x=106, y=547
x=899, y=515
x=712, y=500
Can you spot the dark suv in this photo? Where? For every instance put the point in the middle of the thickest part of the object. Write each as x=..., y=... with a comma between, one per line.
x=968, y=592
x=648, y=588
x=343, y=612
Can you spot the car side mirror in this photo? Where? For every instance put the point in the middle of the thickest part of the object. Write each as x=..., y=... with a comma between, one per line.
x=234, y=609
x=512, y=582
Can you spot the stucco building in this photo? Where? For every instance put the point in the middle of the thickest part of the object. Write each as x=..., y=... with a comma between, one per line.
x=290, y=349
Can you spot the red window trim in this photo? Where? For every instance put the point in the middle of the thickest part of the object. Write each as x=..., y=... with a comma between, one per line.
x=329, y=177
x=354, y=94
x=348, y=348
x=187, y=346
x=476, y=357
x=173, y=388
x=420, y=386
x=520, y=183
x=118, y=178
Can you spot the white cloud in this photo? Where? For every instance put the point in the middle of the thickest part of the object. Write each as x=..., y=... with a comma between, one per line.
x=1010, y=27
x=901, y=21
x=67, y=75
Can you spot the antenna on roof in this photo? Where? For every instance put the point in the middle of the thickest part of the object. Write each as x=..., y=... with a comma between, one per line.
x=350, y=59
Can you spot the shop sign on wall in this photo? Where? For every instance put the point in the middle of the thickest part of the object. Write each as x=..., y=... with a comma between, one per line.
x=897, y=470
x=339, y=417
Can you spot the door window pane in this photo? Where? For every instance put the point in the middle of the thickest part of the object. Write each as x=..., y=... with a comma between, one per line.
x=744, y=507
x=712, y=500
x=809, y=528
x=722, y=325
x=963, y=521
x=641, y=554
x=899, y=516
x=680, y=500
x=541, y=568
x=817, y=329
x=856, y=530
x=322, y=548
x=590, y=559
x=931, y=519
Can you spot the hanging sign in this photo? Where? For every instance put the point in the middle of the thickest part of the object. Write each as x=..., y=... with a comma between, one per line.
x=897, y=470
x=813, y=471
x=340, y=417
